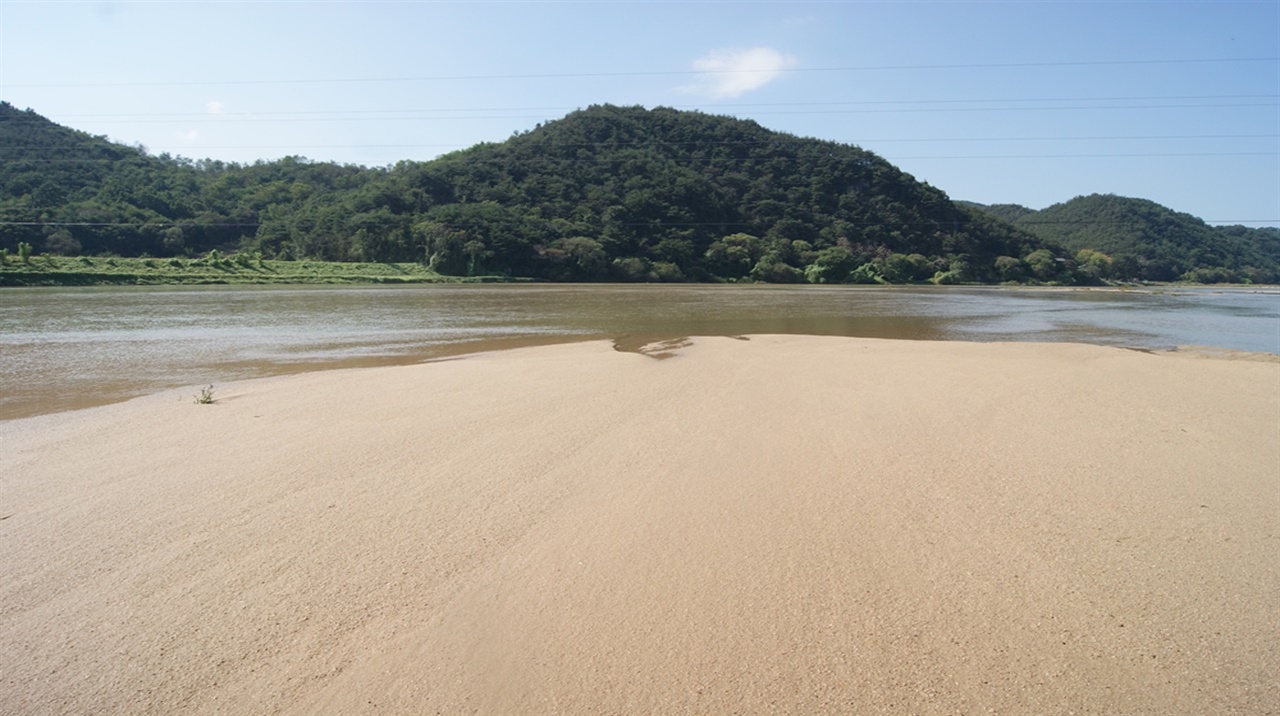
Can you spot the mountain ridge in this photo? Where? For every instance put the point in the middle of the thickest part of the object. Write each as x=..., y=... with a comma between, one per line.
x=605, y=193
x=1152, y=241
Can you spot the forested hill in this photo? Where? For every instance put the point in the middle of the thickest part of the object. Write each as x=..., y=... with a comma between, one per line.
x=67, y=192
x=1149, y=241
x=606, y=193
x=635, y=193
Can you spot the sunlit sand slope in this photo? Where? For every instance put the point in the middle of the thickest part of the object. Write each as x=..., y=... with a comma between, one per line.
x=774, y=525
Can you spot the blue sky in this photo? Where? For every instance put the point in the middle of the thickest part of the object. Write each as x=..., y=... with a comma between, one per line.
x=997, y=102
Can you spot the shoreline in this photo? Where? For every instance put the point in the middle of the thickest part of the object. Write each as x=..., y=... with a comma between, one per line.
x=623, y=343
x=396, y=274
x=790, y=523
x=58, y=353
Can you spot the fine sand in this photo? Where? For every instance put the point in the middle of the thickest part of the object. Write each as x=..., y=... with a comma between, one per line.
x=768, y=525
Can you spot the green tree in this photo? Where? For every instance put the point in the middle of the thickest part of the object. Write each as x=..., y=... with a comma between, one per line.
x=771, y=269
x=831, y=265
x=1093, y=266
x=866, y=273
x=1010, y=268
x=633, y=269
x=906, y=268
x=586, y=256
x=1042, y=264
x=476, y=252
x=61, y=243
x=959, y=270
x=173, y=240
x=733, y=256
x=443, y=247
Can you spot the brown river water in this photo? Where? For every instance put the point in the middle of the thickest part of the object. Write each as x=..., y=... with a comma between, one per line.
x=66, y=348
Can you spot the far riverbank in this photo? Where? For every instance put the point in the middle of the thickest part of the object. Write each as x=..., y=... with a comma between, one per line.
x=238, y=269
x=70, y=347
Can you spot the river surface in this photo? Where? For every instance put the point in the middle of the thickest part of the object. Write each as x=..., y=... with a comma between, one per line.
x=65, y=348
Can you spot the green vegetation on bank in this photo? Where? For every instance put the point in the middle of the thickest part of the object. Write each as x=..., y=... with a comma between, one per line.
x=1147, y=241
x=604, y=194
x=47, y=270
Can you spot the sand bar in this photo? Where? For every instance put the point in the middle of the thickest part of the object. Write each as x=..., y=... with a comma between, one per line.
x=783, y=524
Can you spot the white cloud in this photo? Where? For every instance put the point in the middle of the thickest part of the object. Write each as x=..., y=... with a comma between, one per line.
x=732, y=72
x=214, y=106
x=189, y=136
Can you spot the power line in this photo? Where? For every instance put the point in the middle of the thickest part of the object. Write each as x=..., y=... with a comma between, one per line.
x=696, y=143
x=694, y=161
x=222, y=119
x=1013, y=109
x=1095, y=156
x=652, y=73
x=1079, y=138
x=659, y=223
x=1131, y=98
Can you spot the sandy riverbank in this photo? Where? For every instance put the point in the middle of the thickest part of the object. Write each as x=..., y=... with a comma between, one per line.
x=774, y=525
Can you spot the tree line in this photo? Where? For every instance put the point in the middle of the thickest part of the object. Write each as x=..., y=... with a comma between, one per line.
x=1144, y=240
x=605, y=194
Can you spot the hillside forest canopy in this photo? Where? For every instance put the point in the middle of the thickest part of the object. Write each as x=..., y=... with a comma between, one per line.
x=605, y=194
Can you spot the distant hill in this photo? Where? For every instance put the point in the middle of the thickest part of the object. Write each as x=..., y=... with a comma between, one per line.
x=50, y=163
x=669, y=193
x=67, y=192
x=606, y=193
x=1007, y=212
x=1148, y=241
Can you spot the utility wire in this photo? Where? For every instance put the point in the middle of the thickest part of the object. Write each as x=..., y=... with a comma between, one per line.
x=663, y=143
x=1134, y=98
x=744, y=160
x=222, y=119
x=464, y=227
x=652, y=73
x=1093, y=156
